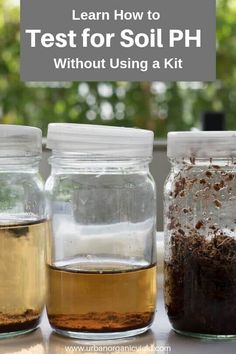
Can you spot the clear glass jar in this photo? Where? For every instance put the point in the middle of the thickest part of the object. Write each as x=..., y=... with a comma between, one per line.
x=102, y=271
x=23, y=230
x=200, y=234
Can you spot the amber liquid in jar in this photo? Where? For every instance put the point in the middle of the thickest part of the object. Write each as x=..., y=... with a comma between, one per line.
x=22, y=275
x=107, y=300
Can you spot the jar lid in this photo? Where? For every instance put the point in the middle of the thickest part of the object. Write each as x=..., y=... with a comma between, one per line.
x=201, y=144
x=20, y=141
x=100, y=140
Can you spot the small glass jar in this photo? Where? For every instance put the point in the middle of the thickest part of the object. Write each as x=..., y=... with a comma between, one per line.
x=102, y=271
x=23, y=230
x=200, y=234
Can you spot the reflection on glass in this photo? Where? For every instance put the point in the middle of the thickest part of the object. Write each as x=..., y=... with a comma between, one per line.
x=186, y=345
x=143, y=344
x=27, y=344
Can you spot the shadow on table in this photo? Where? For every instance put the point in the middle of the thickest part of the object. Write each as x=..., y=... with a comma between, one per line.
x=187, y=345
x=31, y=343
x=144, y=344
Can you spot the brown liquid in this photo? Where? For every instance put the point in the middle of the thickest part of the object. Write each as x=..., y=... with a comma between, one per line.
x=101, y=301
x=22, y=275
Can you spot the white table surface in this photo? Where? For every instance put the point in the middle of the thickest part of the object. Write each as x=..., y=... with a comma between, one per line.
x=160, y=339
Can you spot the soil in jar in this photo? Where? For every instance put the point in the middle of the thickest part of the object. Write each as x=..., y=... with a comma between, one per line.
x=200, y=273
x=200, y=285
x=13, y=323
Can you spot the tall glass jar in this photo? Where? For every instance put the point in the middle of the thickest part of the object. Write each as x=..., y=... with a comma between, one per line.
x=200, y=234
x=23, y=230
x=102, y=271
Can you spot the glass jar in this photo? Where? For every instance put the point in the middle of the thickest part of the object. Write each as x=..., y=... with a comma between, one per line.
x=102, y=271
x=23, y=229
x=200, y=234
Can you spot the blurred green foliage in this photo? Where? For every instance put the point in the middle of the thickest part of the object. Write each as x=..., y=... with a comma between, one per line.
x=158, y=106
